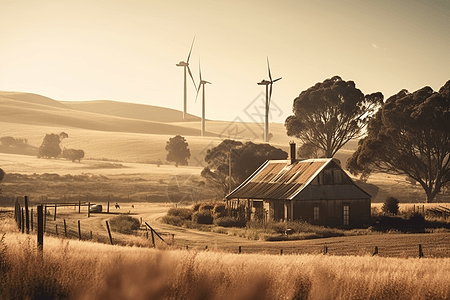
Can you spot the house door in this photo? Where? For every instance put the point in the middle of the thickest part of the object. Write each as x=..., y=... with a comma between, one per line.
x=346, y=214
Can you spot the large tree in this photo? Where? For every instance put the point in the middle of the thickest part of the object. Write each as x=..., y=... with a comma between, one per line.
x=330, y=113
x=244, y=159
x=178, y=151
x=409, y=135
x=50, y=145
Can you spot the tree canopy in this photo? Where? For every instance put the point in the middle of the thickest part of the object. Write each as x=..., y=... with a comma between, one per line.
x=178, y=151
x=73, y=154
x=243, y=158
x=50, y=145
x=409, y=135
x=330, y=113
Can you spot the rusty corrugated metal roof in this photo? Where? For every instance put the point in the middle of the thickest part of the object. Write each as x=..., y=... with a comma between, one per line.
x=277, y=180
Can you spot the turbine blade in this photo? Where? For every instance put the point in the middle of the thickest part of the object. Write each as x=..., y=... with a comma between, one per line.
x=192, y=45
x=276, y=79
x=198, y=90
x=268, y=67
x=270, y=93
x=199, y=70
x=192, y=77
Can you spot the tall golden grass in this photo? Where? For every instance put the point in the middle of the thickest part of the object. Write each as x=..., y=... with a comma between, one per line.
x=83, y=270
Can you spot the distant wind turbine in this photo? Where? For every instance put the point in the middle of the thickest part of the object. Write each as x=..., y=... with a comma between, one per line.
x=185, y=65
x=268, y=98
x=202, y=85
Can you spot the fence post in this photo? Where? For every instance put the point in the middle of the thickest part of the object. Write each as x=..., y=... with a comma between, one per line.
x=65, y=228
x=153, y=238
x=79, y=206
x=23, y=221
x=89, y=209
x=40, y=226
x=31, y=221
x=420, y=251
x=45, y=216
x=27, y=215
x=19, y=217
x=91, y=235
x=281, y=252
x=79, y=230
x=108, y=205
x=325, y=249
x=240, y=249
x=376, y=251
x=56, y=229
x=54, y=217
x=109, y=233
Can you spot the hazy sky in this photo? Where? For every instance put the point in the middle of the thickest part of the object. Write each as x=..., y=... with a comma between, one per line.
x=128, y=50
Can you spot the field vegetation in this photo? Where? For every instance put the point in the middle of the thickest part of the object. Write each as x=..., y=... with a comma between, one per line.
x=84, y=270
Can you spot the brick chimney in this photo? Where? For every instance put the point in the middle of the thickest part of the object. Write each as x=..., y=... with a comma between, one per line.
x=292, y=150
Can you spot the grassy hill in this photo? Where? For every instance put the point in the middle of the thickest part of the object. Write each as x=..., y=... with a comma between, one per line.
x=130, y=110
x=132, y=133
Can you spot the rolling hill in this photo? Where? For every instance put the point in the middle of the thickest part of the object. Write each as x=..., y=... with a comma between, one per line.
x=132, y=133
x=124, y=131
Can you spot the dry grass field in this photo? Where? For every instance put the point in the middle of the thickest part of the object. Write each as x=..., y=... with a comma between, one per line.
x=85, y=270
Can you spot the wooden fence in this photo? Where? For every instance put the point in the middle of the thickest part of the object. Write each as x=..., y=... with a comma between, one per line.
x=46, y=218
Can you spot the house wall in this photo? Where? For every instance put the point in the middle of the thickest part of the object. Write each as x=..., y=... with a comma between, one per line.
x=331, y=212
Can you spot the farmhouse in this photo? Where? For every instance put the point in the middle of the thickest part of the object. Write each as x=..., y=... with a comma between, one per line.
x=314, y=190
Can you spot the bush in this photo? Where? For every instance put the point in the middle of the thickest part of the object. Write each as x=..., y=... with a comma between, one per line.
x=390, y=206
x=219, y=211
x=73, y=154
x=196, y=206
x=182, y=213
x=416, y=219
x=230, y=222
x=173, y=220
x=202, y=217
x=206, y=206
x=124, y=224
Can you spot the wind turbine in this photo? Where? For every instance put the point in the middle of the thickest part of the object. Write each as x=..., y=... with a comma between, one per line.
x=268, y=98
x=202, y=85
x=185, y=65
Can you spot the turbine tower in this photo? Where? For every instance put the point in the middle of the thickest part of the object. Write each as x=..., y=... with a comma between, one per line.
x=185, y=65
x=202, y=85
x=267, y=83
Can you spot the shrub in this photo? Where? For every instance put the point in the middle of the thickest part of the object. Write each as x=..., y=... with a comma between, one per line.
x=72, y=154
x=173, y=220
x=124, y=224
x=207, y=206
x=202, y=217
x=219, y=211
x=182, y=213
x=230, y=222
x=416, y=219
x=196, y=206
x=278, y=227
x=390, y=206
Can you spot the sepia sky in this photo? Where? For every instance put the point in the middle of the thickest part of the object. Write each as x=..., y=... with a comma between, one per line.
x=128, y=50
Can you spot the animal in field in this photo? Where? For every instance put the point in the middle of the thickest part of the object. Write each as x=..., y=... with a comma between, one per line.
x=117, y=205
x=132, y=206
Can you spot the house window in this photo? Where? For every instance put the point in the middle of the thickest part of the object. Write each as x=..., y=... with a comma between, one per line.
x=346, y=214
x=316, y=213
